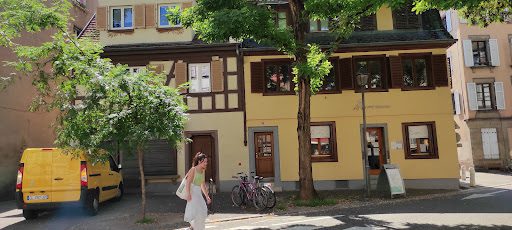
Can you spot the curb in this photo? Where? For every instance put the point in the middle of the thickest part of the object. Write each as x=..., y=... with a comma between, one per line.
x=238, y=218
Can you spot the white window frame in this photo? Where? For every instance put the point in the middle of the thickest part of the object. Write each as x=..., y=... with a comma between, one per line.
x=135, y=69
x=170, y=24
x=111, y=18
x=205, y=86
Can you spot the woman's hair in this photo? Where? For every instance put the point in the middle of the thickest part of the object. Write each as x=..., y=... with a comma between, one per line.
x=198, y=158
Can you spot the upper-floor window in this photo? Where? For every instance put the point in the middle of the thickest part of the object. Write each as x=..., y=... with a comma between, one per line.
x=122, y=17
x=281, y=19
x=199, y=78
x=374, y=67
x=480, y=55
x=484, y=96
x=416, y=72
x=406, y=18
x=331, y=80
x=163, y=22
x=278, y=77
x=319, y=25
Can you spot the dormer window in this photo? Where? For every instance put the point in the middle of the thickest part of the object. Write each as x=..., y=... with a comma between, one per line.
x=281, y=19
x=122, y=17
x=406, y=18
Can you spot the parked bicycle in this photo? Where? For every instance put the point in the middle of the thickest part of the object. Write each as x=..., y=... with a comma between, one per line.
x=262, y=196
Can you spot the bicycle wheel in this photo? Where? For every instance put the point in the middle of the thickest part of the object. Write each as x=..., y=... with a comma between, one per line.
x=260, y=199
x=237, y=196
x=271, y=197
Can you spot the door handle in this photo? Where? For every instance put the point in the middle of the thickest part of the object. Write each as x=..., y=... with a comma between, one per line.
x=59, y=178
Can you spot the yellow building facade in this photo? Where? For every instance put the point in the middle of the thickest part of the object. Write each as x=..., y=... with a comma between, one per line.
x=410, y=124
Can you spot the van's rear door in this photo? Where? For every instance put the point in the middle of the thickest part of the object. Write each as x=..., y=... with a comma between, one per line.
x=37, y=175
x=65, y=177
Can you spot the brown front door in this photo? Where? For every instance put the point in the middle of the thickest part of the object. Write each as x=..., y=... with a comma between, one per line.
x=264, y=151
x=376, y=149
x=204, y=144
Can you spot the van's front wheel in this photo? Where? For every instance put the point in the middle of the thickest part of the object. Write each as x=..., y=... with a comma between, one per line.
x=92, y=203
x=30, y=214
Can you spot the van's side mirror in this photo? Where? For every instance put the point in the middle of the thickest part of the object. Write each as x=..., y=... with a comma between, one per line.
x=120, y=167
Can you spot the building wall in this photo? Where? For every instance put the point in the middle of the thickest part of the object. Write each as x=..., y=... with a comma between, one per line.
x=20, y=128
x=470, y=122
x=391, y=108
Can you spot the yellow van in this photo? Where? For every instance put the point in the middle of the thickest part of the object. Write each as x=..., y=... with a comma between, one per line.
x=48, y=179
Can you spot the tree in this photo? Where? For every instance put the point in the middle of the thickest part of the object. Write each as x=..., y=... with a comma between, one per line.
x=97, y=101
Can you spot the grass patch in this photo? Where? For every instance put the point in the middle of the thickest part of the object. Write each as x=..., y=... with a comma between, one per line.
x=315, y=202
x=146, y=220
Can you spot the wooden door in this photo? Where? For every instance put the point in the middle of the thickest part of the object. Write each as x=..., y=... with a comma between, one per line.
x=376, y=149
x=264, y=153
x=204, y=144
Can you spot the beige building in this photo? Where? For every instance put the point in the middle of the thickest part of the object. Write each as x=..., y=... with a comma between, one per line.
x=481, y=70
x=20, y=128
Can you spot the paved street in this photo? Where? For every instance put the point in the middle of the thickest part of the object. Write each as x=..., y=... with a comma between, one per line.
x=488, y=208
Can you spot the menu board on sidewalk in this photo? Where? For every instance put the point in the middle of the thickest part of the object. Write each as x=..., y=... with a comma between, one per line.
x=396, y=183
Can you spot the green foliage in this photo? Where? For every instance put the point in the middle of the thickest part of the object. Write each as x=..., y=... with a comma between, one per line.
x=479, y=12
x=146, y=220
x=317, y=66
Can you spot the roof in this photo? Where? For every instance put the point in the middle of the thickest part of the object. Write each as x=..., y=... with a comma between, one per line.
x=90, y=31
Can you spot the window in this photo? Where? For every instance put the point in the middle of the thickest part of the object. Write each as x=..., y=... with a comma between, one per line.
x=330, y=81
x=450, y=74
x=281, y=19
x=163, y=22
x=122, y=17
x=367, y=23
x=278, y=77
x=199, y=78
x=323, y=142
x=406, y=18
x=416, y=72
x=420, y=140
x=374, y=67
x=318, y=25
x=484, y=96
x=480, y=56
x=135, y=69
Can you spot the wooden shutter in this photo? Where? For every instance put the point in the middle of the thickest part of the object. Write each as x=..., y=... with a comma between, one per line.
x=468, y=53
x=150, y=16
x=180, y=72
x=217, y=76
x=440, y=70
x=257, y=77
x=472, y=100
x=140, y=16
x=490, y=143
x=186, y=5
x=101, y=18
x=397, y=76
x=495, y=53
x=500, y=95
x=346, y=74
x=368, y=23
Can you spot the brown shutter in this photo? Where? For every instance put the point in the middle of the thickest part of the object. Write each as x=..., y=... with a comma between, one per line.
x=180, y=72
x=257, y=77
x=139, y=16
x=395, y=65
x=217, y=76
x=367, y=23
x=346, y=80
x=101, y=18
x=440, y=70
x=336, y=70
x=150, y=16
x=186, y=5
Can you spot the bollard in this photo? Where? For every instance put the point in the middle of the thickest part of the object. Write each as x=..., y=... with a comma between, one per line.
x=463, y=174
x=472, y=179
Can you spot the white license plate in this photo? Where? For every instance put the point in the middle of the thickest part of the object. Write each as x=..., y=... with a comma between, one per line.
x=38, y=197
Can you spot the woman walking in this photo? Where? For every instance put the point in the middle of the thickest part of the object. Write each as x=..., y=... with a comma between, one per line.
x=196, y=210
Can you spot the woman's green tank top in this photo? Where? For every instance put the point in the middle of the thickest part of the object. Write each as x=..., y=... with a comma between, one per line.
x=198, y=178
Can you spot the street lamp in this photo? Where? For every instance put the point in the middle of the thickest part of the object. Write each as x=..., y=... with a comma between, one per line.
x=362, y=80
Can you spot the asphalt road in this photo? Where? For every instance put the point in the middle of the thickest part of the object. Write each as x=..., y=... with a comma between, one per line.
x=487, y=208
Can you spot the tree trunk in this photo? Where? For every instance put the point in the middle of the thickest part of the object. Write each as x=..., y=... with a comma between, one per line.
x=299, y=24
x=140, y=155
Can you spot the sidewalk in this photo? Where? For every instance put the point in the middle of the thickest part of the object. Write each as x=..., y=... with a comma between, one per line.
x=483, y=179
